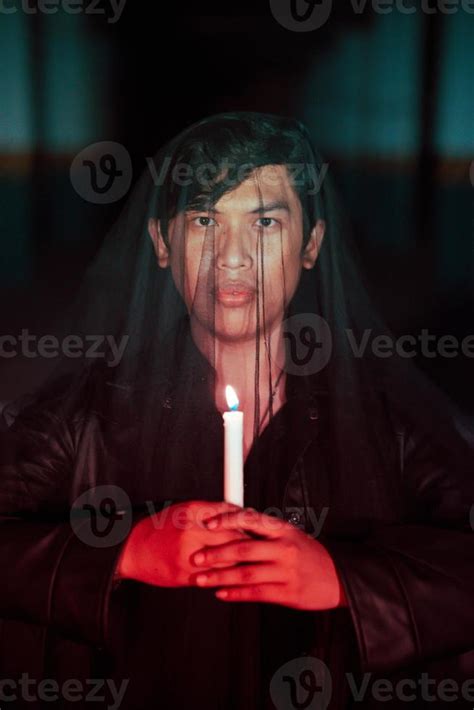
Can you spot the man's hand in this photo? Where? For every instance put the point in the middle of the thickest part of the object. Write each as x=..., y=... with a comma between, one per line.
x=285, y=566
x=159, y=548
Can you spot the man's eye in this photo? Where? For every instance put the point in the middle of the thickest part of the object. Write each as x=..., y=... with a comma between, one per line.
x=266, y=222
x=205, y=221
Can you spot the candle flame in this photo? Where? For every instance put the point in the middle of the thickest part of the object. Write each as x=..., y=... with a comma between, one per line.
x=231, y=397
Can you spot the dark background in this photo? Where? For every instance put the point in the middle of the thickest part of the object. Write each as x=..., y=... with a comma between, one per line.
x=388, y=99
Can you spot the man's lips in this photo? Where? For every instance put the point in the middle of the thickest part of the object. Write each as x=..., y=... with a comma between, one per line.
x=234, y=293
x=234, y=287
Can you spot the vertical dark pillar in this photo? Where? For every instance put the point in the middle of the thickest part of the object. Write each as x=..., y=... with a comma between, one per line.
x=425, y=193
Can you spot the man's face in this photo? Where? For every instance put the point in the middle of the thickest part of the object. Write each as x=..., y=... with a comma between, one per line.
x=243, y=254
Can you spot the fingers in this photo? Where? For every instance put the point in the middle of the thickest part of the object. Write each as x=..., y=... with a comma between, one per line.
x=249, y=520
x=240, y=550
x=221, y=506
x=272, y=593
x=243, y=575
x=206, y=510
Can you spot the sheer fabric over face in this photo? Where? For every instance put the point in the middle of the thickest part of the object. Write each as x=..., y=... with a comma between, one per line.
x=237, y=258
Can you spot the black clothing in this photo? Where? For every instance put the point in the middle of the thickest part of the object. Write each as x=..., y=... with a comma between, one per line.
x=183, y=648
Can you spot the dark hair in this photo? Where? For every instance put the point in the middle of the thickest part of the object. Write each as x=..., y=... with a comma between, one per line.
x=229, y=147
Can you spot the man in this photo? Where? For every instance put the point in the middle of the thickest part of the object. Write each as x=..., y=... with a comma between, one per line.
x=356, y=528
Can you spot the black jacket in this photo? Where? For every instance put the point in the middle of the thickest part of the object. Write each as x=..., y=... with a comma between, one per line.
x=409, y=582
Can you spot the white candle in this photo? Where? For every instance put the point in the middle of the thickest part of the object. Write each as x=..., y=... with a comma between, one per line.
x=233, y=450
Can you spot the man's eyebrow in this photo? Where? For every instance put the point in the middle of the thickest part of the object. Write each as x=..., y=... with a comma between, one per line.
x=201, y=208
x=269, y=207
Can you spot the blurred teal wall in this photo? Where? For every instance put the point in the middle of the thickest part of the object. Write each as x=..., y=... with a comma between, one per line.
x=360, y=99
x=54, y=104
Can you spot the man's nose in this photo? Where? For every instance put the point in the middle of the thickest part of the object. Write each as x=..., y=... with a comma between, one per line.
x=233, y=249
